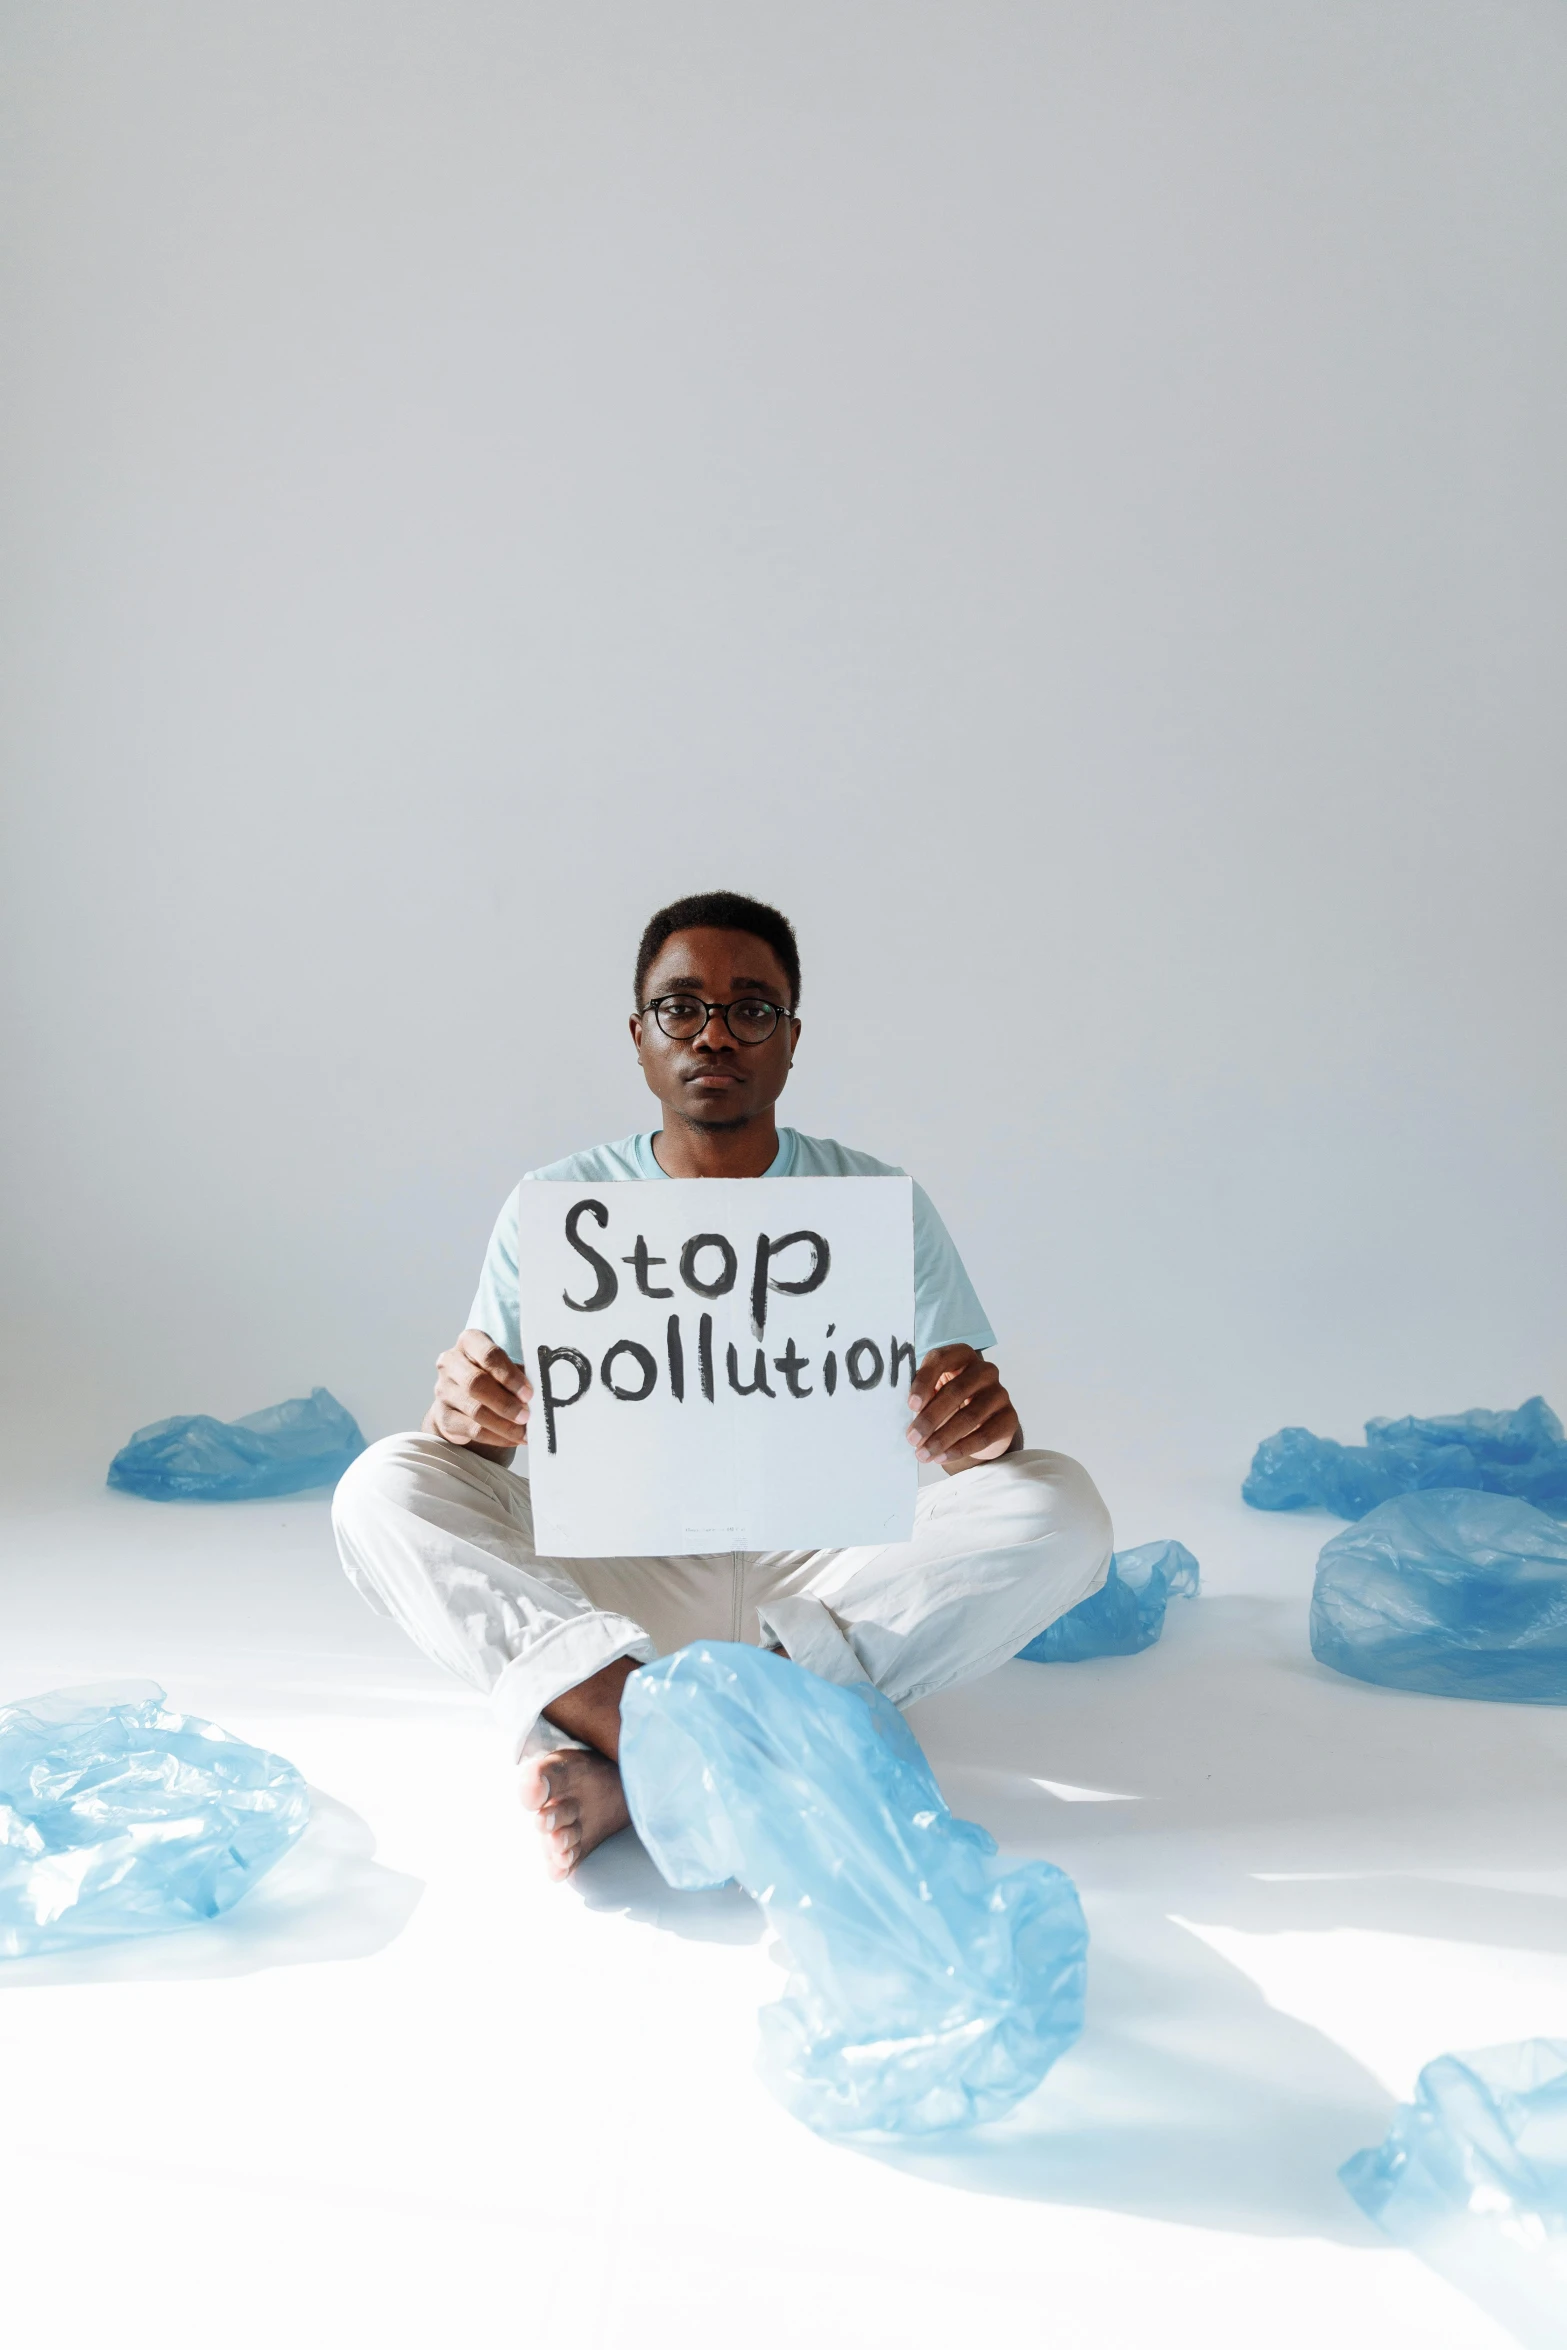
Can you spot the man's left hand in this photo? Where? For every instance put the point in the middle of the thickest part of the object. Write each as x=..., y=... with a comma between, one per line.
x=962, y=1413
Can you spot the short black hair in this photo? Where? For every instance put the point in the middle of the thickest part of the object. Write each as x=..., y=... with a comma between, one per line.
x=722, y=909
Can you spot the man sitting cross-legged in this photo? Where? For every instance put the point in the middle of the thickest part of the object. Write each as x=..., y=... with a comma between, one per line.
x=435, y=1530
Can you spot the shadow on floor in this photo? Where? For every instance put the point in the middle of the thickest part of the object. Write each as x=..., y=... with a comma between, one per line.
x=1187, y=2099
x=329, y=1898
x=1190, y=2099
x=619, y=1877
x=1521, y=2288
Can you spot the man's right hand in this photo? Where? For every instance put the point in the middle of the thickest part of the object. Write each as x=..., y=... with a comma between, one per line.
x=481, y=1396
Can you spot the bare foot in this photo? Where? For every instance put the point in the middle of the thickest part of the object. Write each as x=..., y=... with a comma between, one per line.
x=577, y=1799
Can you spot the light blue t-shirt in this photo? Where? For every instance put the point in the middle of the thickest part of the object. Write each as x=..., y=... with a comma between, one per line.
x=946, y=1311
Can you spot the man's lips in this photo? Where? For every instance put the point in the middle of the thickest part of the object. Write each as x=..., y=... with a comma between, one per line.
x=714, y=1077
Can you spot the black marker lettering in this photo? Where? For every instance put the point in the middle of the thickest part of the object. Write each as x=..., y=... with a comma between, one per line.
x=704, y=1354
x=900, y=1347
x=645, y=1364
x=549, y=1356
x=830, y=1365
x=608, y=1278
x=640, y=1261
x=677, y=1359
x=791, y=1362
x=762, y=1280
x=759, y=1384
x=689, y=1255
x=863, y=1346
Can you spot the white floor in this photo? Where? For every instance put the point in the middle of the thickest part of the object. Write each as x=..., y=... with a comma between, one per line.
x=411, y=2094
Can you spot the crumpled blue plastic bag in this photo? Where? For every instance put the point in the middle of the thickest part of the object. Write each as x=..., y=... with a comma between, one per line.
x=119, y=1817
x=1486, y=2136
x=1460, y=1594
x=931, y=1986
x=1522, y=1453
x=1126, y=1613
x=285, y=1449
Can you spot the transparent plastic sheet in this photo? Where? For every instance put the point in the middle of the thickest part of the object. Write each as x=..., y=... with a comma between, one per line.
x=285, y=1449
x=1521, y=1453
x=1460, y=1594
x=119, y=1817
x=1126, y=1613
x=1486, y=2137
x=930, y=1986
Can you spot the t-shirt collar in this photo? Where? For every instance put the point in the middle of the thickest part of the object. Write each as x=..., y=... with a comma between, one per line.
x=648, y=1166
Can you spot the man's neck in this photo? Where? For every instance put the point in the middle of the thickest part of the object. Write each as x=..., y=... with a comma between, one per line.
x=684, y=1149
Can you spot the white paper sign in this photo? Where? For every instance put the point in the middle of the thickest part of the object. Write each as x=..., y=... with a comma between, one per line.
x=718, y=1365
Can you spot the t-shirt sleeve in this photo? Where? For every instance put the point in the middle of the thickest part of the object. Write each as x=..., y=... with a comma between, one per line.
x=946, y=1310
x=495, y=1310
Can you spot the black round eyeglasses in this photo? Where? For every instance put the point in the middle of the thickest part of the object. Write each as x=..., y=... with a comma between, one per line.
x=750, y=1019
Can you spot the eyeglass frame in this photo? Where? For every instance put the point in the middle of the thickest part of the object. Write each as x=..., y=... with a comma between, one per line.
x=677, y=995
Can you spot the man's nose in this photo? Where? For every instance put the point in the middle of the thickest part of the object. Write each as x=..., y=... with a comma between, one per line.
x=715, y=1034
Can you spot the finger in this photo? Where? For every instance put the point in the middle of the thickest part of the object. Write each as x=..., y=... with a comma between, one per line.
x=994, y=1447
x=944, y=1406
x=971, y=1410
x=467, y=1388
x=938, y=1378
x=932, y=1371
x=937, y=1367
x=954, y=1434
x=492, y=1429
x=487, y=1394
x=479, y=1348
x=988, y=1440
x=458, y=1426
x=453, y=1426
x=954, y=1397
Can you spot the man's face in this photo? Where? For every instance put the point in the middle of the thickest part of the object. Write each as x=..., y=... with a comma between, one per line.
x=713, y=1079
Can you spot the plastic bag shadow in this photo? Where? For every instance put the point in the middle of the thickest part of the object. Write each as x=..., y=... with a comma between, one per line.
x=1523, y=2288
x=1189, y=2099
x=620, y=1877
x=329, y=1898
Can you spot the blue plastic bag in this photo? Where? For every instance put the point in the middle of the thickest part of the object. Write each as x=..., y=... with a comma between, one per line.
x=1522, y=1453
x=120, y=1817
x=1126, y=1613
x=1486, y=2136
x=285, y=1449
x=931, y=1986
x=1457, y=1593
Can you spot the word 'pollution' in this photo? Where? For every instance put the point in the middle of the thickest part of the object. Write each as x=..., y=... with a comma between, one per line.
x=863, y=1360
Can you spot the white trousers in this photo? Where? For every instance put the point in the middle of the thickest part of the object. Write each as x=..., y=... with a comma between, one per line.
x=442, y=1541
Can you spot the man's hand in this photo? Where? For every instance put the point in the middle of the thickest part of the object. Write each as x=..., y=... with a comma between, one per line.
x=481, y=1397
x=962, y=1413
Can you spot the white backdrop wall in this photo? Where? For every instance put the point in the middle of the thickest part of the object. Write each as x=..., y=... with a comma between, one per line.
x=1067, y=499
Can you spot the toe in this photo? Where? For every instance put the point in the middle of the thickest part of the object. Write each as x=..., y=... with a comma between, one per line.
x=562, y=1850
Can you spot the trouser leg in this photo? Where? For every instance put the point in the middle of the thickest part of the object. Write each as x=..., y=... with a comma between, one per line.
x=442, y=1541
x=998, y=1553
